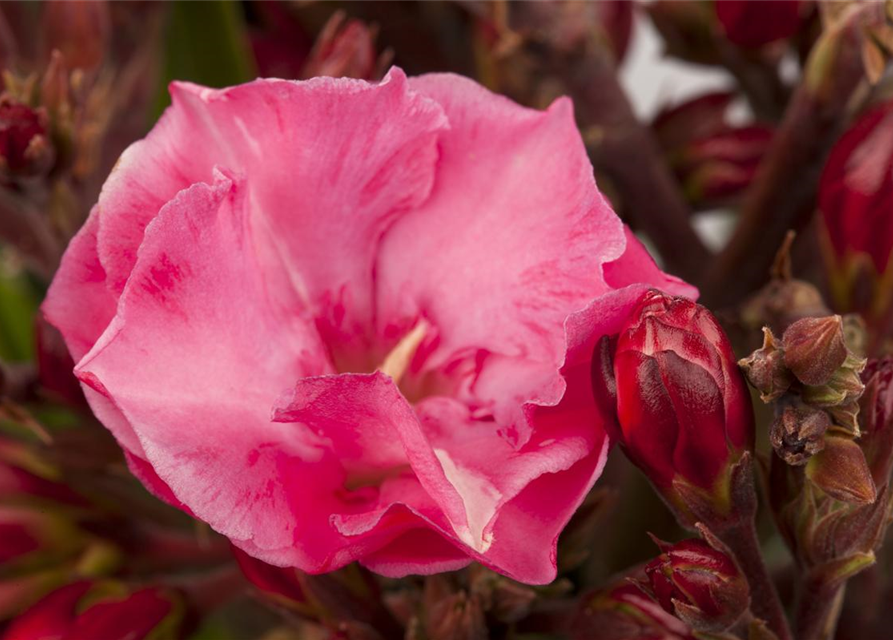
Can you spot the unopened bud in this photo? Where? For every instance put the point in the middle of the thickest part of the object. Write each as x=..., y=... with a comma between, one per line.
x=814, y=349
x=840, y=470
x=798, y=432
x=344, y=49
x=25, y=149
x=677, y=382
x=765, y=369
x=700, y=583
x=624, y=612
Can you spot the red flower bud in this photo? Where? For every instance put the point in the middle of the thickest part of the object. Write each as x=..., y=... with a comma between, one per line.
x=699, y=583
x=24, y=147
x=713, y=160
x=683, y=411
x=855, y=198
x=625, y=613
x=721, y=165
x=753, y=24
x=85, y=611
x=344, y=49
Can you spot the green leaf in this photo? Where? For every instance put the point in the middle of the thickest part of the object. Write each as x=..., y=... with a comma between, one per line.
x=18, y=307
x=206, y=43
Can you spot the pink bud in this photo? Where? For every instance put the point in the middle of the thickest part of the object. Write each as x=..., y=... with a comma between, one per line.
x=343, y=49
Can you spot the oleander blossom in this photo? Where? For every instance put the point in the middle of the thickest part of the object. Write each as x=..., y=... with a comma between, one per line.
x=345, y=321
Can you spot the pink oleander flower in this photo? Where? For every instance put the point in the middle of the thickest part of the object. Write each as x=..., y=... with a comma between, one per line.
x=345, y=321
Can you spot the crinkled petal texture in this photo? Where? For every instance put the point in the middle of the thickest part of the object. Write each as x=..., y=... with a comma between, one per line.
x=346, y=321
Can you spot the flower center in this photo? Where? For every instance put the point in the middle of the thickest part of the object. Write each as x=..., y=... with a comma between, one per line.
x=397, y=360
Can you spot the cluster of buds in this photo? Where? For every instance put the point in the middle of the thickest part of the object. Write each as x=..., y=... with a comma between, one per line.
x=835, y=517
x=812, y=377
x=855, y=198
x=53, y=117
x=681, y=410
x=833, y=436
x=713, y=160
x=88, y=609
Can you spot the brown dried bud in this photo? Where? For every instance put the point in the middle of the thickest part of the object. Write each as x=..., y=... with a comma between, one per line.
x=814, y=349
x=765, y=369
x=798, y=432
x=840, y=470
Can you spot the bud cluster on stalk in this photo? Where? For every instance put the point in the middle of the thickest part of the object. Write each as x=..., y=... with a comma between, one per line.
x=833, y=439
x=681, y=409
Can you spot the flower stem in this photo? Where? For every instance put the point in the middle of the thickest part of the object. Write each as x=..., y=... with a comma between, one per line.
x=741, y=538
x=819, y=609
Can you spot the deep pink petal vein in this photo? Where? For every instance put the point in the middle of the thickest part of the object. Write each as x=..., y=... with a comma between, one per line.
x=341, y=321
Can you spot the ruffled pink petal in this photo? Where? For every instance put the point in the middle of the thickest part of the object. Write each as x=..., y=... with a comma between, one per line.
x=637, y=266
x=80, y=305
x=513, y=236
x=78, y=302
x=331, y=163
x=417, y=552
x=375, y=434
x=202, y=416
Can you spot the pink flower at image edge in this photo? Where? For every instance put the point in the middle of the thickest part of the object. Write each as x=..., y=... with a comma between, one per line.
x=341, y=321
